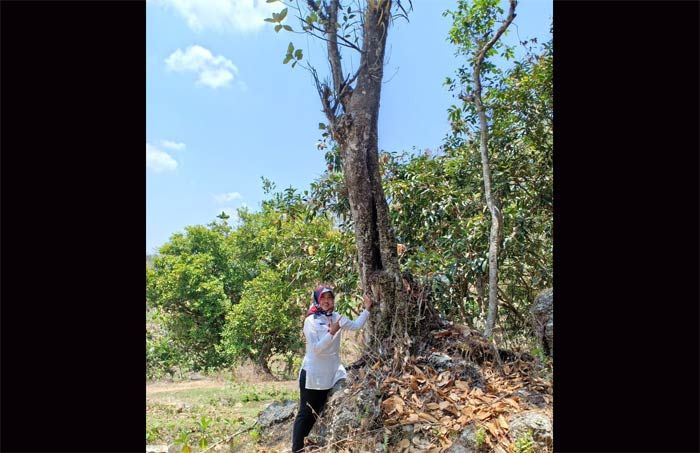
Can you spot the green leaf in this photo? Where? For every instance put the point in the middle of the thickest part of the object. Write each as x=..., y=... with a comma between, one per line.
x=278, y=27
x=270, y=1
x=294, y=64
x=282, y=15
x=270, y=20
x=287, y=59
x=298, y=54
x=287, y=27
x=321, y=126
x=203, y=443
x=290, y=48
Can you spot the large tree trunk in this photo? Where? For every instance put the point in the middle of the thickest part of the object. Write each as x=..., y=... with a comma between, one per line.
x=354, y=128
x=357, y=135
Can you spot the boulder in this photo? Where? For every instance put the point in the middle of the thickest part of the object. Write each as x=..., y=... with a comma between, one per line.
x=157, y=448
x=466, y=442
x=345, y=414
x=339, y=386
x=534, y=423
x=277, y=412
x=543, y=320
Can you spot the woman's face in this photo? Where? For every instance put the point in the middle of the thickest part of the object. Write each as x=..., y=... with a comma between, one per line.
x=326, y=302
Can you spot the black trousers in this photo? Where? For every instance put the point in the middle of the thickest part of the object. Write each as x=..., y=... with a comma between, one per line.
x=305, y=416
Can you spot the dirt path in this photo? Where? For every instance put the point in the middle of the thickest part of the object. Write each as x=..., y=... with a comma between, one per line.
x=160, y=387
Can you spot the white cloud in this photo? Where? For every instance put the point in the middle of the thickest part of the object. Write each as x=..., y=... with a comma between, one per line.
x=223, y=15
x=159, y=161
x=214, y=71
x=172, y=145
x=226, y=197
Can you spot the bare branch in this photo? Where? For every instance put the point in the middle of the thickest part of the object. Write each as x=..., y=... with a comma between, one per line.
x=324, y=93
x=344, y=43
x=333, y=52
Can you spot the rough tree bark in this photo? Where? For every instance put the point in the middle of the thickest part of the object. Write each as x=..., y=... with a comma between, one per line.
x=352, y=114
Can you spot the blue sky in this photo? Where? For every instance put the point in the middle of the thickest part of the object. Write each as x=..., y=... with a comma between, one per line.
x=222, y=110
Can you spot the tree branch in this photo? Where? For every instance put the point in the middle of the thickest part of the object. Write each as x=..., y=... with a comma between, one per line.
x=482, y=53
x=333, y=52
x=324, y=93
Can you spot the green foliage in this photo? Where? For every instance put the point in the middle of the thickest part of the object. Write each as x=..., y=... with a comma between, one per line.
x=152, y=434
x=184, y=440
x=480, y=437
x=439, y=213
x=474, y=23
x=292, y=54
x=256, y=434
x=266, y=320
x=193, y=282
x=524, y=443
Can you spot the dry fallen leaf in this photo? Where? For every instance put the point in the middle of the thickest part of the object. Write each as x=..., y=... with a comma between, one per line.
x=445, y=442
x=462, y=385
x=412, y=418
x=502, y=422
x=482, y=415
x=405, y=443
x=416, y=401
x=493, y=429
x=428, y=417
x=476, y=392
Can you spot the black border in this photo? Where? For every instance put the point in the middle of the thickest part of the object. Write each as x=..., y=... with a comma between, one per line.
x=626, y=226
x=73, y=226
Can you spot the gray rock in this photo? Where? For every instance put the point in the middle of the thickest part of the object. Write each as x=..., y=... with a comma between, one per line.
x=534, y=398
x=277, y=412
x=472, y=374
x=344, y=414
x=339, y=386
x=463, y=370
x=175, y=448
x=542, y=312
x=157, y=448
x=537, y=424
x=441, y=361
x=466, y=442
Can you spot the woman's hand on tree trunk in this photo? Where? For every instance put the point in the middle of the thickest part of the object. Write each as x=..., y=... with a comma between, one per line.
x=367, y=302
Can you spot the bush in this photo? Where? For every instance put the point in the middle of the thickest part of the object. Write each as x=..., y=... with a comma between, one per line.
x=266, y=321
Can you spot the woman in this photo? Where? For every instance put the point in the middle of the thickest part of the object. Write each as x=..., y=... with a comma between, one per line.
x=321, y=367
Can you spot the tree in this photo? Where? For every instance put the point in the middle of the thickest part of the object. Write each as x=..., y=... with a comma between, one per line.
x=264, y=322
x=193, y=282
x=473, y=32
x=350, y=103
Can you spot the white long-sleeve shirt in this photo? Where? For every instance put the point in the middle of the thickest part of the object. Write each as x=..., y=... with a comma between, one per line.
x=322, y=359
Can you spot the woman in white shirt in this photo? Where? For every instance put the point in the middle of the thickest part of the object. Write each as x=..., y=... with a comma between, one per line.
x=321, y=368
